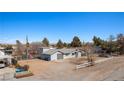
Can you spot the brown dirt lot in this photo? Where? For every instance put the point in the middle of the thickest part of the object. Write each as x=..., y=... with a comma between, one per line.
x=109, y=70
x=37, y=66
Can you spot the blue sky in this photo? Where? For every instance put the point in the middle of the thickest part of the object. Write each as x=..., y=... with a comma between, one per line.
x=54, y=26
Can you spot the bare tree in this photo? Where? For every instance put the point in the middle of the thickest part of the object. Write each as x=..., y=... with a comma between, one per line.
x=34, y=46
x=89, y=52
x=20, y=48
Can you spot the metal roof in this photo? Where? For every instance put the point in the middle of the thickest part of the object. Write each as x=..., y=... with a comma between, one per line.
x=52, y=51
x=67, y=50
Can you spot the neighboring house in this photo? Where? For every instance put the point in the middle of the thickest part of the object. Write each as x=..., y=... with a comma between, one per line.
x=56, y=54
x=7, y=59
x=2, y=49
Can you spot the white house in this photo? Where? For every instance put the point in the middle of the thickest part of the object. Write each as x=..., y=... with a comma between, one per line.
x=56, y=54
x=5, y=58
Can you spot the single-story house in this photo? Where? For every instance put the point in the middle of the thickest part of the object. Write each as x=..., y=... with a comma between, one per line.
x=56, y=54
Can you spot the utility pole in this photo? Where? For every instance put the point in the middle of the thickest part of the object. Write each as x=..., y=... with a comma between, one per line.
x=27, y=47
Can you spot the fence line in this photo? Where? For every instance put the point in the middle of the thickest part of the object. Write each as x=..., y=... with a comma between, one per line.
x=86, y=64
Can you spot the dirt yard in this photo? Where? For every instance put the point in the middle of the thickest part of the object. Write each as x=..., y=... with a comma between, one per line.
x=112, y=69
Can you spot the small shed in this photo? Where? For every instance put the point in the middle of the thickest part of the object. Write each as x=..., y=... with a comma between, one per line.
x=52, y=54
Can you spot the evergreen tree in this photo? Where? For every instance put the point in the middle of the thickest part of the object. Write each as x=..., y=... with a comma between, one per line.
x=45, y=42
x=59, y=44
x=97, y=41
x=65, y=44
x=109, y=46
x=76, y=42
